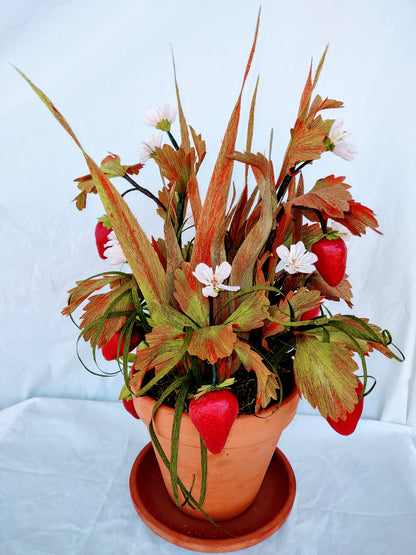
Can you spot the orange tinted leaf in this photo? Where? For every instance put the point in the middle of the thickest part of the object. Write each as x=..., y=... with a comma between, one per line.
x=116, y=300
x=174, y=257
x=306, y=144
x=165, y=349
x=111, y=166
x=137, y=248
x=200, y=147
x=133, y=170
x=341, y=291
x=78, y=294
x=306, y=96
x=51, y=107
x=267, y=384
x=329, y=195
x=358, y=218
x=175, y=165
x=214, y=207
x=245, y=259
x=212, y=342
x=185, y=144
x=318, y=104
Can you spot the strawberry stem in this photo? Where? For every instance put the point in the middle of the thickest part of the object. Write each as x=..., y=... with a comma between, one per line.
x=214, y=375
x=173, y=141
x=288, y=178
x=144, y=191
x=321, y=221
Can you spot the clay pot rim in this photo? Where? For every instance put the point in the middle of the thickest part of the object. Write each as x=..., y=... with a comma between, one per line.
x=263, y=413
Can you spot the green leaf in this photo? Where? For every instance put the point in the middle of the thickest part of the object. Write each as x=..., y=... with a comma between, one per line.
x=168, y=316
x=324, y=374
x=125, y=393
x=111, y=166
x=188, y=293
x=251, y=312
x=165, y=349
x=176, y=426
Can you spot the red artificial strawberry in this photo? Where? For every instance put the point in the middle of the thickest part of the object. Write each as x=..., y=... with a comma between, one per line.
x=110, y=349
x=347, y=426
x=332, y=259
x=309, y=314
x=101, y=236
x=213, y=415
x=129, y=406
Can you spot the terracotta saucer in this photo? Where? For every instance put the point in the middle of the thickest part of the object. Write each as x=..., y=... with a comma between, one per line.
x=268, y=512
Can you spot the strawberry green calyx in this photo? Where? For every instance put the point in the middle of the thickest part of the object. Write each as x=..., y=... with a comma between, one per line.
x=105, y=220
x=331, y=236
x=206, y=388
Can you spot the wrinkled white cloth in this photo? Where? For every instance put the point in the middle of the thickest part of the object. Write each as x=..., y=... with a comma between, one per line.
x=64, y=485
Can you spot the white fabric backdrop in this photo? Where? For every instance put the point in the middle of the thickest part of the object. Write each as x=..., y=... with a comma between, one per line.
x=103, y=64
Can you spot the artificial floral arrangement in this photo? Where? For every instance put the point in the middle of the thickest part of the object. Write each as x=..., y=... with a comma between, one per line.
x=230, y=318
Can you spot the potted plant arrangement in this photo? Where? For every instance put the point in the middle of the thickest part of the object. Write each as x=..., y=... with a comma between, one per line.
x=219, y=327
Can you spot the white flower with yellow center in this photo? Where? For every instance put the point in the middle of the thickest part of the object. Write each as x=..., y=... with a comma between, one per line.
x=113, y=250
x=162, y=118
x=214, y=280
x=148, y=148
x=297, y=259
x=337, y=141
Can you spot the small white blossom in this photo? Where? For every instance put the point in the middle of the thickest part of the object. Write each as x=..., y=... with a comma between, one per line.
x=148, y=148
x=338, y=143
x=297, y=259
x=113, y=250
x=162, y=118
x=214, y=280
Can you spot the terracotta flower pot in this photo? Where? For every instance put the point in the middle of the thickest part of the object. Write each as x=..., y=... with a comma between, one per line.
x=235, y=475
